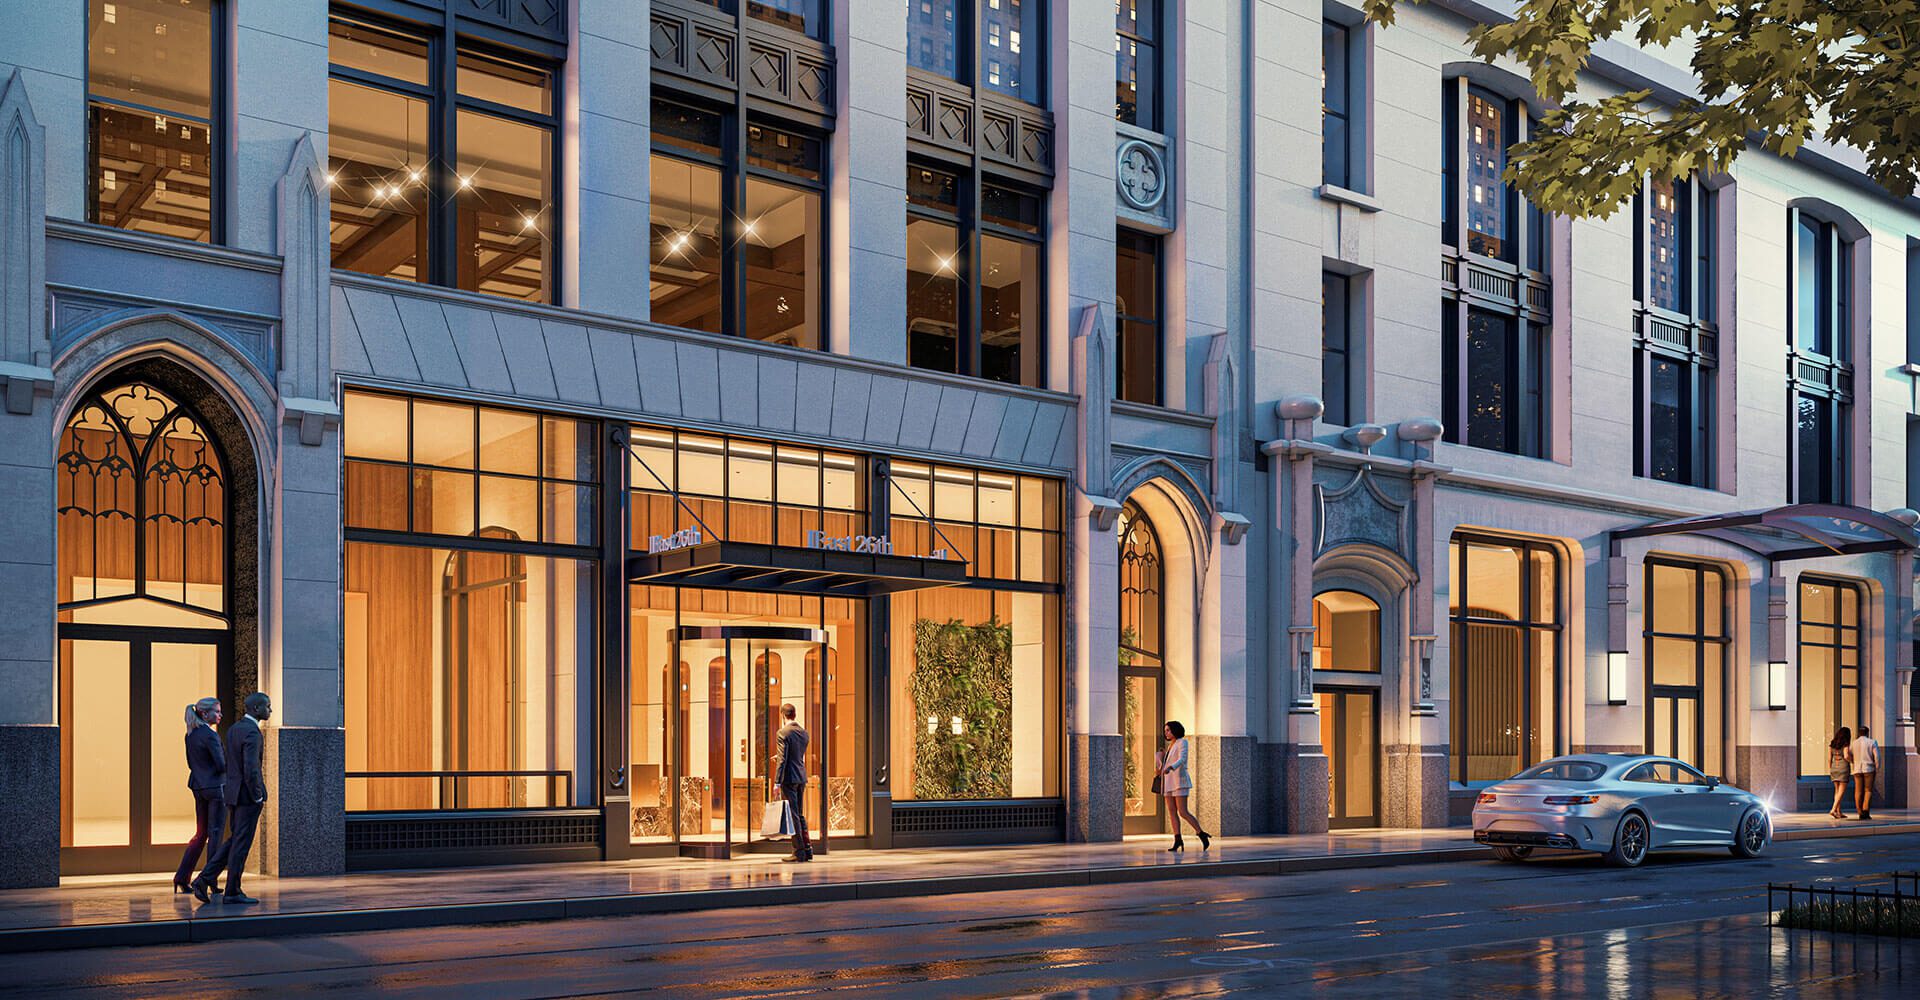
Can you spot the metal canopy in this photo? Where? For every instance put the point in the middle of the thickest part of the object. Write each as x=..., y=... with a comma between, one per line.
x=790, y=569
x=1794, y=531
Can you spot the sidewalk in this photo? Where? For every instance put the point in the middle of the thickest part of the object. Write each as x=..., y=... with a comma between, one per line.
x=120, y=910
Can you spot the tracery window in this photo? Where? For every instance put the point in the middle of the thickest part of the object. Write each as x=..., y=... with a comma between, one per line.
x=141, y=505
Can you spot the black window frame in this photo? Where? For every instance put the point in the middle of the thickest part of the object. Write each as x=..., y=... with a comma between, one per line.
x=1341, y=367
x=968, y=51
x=446, y=39
x=740, y=12
x=218, y=126
x=1685, y=339
x=1703, y=639
x=1350, y=40
x=968, y=217
x=1124, y=321
x=735, y=165
x=1837, y=687
x=1459, y=615
x=1524, y=401
x=1147, y=112
x=1820, y=383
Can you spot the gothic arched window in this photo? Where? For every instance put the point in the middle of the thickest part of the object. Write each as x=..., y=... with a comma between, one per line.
x=1142, y=597
x=142, y=505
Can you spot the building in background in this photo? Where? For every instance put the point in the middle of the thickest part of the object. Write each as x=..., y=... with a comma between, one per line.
x=533, y=397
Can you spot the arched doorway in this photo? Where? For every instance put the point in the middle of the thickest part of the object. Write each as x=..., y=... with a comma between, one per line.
x=144, y=509
x=1143, y=676
x=1346, y=688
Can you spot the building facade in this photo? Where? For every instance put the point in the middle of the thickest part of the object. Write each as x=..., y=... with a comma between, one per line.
x=972, y=405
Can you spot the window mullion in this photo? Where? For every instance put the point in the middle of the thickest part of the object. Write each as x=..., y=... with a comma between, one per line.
x=442, y=214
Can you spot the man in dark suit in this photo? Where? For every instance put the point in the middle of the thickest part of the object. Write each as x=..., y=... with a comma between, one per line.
x=790, y=771
x=246, y=796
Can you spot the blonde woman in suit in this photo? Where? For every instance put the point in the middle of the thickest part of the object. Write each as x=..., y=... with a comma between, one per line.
x=1177, y=784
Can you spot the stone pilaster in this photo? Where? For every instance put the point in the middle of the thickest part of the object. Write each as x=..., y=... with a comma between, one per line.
x=304, y=828
x=1415, y=793
x=1268, y=801
x=1307, y=792
x=1096, y=808
x=1773, y=773
x=1223, y=780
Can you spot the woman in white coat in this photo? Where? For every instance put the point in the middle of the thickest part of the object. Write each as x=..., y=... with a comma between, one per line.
x=1176, y=784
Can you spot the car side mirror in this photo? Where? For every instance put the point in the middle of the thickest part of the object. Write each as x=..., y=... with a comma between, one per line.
x=1713, y=781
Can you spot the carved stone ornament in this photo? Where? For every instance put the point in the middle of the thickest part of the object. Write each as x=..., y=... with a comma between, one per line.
x=1360, y=512
x=1141, y=172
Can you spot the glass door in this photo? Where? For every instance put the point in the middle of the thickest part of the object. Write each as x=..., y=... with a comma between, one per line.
x=125, y=805
x=1142, y=713
x=734, y=683
x=1350, y=731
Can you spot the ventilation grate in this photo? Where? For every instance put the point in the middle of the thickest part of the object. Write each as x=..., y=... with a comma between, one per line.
x=472, y=833
x=1026, y=817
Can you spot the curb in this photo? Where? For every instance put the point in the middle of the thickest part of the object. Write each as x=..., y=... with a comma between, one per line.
x=221, y=928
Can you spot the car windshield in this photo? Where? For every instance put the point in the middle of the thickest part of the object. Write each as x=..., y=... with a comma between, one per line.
x=1564, y=770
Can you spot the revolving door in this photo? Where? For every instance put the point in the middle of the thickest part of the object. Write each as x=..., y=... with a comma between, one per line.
x=733, y=681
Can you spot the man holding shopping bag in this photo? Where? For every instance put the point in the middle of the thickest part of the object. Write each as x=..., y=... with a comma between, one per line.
x=790, y=771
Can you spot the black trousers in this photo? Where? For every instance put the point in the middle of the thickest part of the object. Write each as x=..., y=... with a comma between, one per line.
x=232, y=854
x=796, y=796
x=210, y=817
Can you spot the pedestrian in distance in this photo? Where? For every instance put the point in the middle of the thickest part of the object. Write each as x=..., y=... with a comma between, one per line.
x=1865, y=752
x=206, y=779
x=245, y=793
x=1177, y=785
x=790, y=771
x=1840, y=768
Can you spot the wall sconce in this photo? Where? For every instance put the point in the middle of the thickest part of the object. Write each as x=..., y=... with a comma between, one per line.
x=933, y=724
x=959, y=728
x=1777, y=685
x=1617, y=677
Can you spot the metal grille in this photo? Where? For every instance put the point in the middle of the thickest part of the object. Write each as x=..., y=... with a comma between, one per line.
x=1033, y=817
x=1491, y=284
x=468, y=833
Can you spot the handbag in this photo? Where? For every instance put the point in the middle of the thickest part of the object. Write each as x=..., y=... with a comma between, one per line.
x=1156, y=783
x=776, y=820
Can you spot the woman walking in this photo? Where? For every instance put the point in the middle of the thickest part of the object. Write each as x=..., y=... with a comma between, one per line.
x=206, y=777
x=1176, y=784
x=1840, y=768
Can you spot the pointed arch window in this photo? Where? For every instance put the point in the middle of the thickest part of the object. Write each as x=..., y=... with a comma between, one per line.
x=1142, y=598
x=142, y=507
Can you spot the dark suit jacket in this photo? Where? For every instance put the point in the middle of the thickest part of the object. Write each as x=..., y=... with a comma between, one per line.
x=791, y=768
x=206, y=761
x=245, y=784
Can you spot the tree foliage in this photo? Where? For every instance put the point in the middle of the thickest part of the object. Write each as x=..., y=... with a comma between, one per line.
x=1774, y=71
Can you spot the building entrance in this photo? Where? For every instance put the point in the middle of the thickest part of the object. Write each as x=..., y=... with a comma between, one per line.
x=734, y=681
x=1350, y=729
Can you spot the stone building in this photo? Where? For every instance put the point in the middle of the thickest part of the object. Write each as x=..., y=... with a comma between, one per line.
x=973, y=405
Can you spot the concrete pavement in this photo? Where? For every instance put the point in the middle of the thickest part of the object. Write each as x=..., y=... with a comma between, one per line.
x=102, y=911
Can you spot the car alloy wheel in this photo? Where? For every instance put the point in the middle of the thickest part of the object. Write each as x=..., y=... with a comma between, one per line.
x=1753, y=836
x=1630, y=843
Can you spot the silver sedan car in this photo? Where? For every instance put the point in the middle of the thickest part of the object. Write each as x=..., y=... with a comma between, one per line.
x=1618, y=805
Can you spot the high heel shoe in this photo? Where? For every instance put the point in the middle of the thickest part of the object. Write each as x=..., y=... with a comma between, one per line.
x=1177, y=845
x=181, y=888
x=1205, y=841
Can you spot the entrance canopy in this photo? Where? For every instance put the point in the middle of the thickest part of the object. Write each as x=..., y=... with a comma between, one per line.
x=1794, y=531
x=790, y=569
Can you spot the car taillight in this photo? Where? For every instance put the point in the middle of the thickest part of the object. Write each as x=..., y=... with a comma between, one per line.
x=1571, y=800
x=1486, y=797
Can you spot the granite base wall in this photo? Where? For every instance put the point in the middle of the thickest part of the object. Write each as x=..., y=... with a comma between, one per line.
x=1773, y=773
x=304, y=830
x=1415, y=792
x=30, y=806
x=1223, y=779
x=1306, y=782
x=1096, y=809
x=1267, y=805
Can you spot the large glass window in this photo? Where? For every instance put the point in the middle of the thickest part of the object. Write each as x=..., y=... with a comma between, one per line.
x=1143, y=682
x=1687, y=642
x=469, y=610
x=151, y=109
x=1137, y=307
x=1003, y=526
x=1339, y=370
x=1341, y=63
x=759, y=275
x=452, y=188
x=1819, y=360
x=1136, y=49
x=1504, y=611
x=1831, y=667
x=1346, y=632
x=742, y=490
x=973, y=311
x=1493, y=374
x=1005, y=51
x=1675, y=343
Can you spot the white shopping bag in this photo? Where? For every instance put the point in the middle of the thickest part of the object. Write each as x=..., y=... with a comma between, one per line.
x=775, y=820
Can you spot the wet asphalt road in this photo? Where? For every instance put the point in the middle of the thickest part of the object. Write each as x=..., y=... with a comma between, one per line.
x=1683, y=926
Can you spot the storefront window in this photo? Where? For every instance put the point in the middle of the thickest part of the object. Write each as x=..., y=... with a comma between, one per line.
x=469, y=611
x=1505, y=617
x=1686, y=656
x=741, y=490
x=1004, y=526
x=976, y=694
x=1830, y=667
